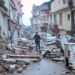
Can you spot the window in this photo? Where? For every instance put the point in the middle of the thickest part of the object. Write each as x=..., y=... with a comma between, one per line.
x=60, y=18
x=64, y=1
x=55, y=21
x=68, y=17
x=43, y=18
x=59, y=1
x=43, y=29
x=51, y=18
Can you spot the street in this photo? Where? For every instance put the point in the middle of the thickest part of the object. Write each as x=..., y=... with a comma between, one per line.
x=37, y=38
x=45, y=67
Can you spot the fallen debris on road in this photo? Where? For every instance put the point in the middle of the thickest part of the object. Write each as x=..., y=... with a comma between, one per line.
x=20, y=70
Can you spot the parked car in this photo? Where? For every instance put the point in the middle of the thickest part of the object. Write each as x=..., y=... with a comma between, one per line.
x=50, y=38
x=46, y=37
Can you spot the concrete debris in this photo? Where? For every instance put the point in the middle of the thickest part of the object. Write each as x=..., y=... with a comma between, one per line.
x=46, y=54
x=24, y=66
x=20, y=70
x=25, y=61
x=2, y=70
x=24, y=55
x=36, y=60
x=58, y=59
x=67, y=73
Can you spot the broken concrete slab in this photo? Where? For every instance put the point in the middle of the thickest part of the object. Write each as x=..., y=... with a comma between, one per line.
x=20, y=70
x=24, y=66
x=36, y=60
x=29, y=60
x=58, y=59
x=2, y=70
x=24, y=56
x=67, y=73
x=9, y=60
x=25, y=61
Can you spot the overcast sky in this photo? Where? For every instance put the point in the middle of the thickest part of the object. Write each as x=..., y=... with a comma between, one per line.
x=27, y=8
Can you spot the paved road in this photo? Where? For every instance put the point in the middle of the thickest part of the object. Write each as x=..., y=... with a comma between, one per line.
x=45, y=67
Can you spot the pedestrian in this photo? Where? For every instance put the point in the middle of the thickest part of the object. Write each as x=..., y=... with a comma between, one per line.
x=37, y=39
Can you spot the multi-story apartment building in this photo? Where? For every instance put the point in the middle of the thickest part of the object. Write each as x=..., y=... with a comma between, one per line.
x=4, y=15
x=71, y=4
x=61, y=17
x=10, y=22
x=15, y=21
x=41, y=17
x=44, y=17
x=36, y=18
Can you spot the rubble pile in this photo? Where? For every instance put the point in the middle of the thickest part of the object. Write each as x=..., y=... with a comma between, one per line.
x=52, y=51
x=17, y=58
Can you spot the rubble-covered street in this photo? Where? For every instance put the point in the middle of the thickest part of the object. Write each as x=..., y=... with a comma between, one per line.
x=54, y=65
x=27, y=61
x=45, y=67
x=37, y=37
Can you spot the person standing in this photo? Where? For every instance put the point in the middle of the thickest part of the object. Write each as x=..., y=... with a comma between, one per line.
x=37, y=39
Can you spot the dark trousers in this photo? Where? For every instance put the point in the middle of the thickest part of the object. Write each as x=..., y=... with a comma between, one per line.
x=67, y=62
x=37, y=45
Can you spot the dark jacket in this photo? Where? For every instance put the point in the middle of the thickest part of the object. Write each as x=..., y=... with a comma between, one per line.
x=37, y=38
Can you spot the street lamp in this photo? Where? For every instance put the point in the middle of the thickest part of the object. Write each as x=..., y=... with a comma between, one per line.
x=70, y=4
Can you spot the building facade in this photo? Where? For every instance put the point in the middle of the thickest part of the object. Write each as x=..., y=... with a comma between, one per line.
x=41, y=17
x=61, y=17
x=36, y=18
x=10, y=22
x=4, y=15
x=15, y=21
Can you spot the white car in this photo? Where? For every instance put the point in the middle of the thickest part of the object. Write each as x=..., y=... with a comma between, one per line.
x=50, y=38
x=22, y=39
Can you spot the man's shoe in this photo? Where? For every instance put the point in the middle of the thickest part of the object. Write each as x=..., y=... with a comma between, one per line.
x=40, y=52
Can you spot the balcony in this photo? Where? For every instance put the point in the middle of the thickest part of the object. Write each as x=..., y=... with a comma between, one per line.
x=2, y=4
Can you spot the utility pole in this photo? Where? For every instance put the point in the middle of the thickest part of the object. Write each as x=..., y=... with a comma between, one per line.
x=70, y=4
